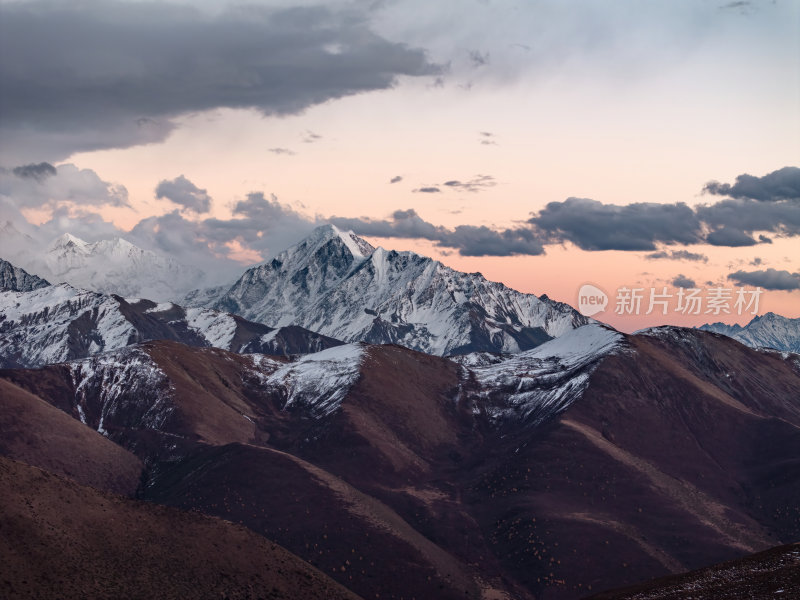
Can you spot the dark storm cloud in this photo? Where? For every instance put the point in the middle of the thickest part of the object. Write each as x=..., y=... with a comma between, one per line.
x=682, y=281
x=396, y=179
x=89, y=75
x=677, y=255
x=469, y=240
x=769, y=279
x=184, y=193
x=783, y=184
x=38, y=171
x=592, y=225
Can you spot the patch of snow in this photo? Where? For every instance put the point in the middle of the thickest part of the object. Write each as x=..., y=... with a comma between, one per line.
x=125, y=387
x=161, y=307
x=535, y=385
x=217, y=328
x=318, y=382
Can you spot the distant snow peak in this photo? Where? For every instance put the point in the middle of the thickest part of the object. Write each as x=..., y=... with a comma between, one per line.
x=119, y=267
x=764, y=331
x=68, y=241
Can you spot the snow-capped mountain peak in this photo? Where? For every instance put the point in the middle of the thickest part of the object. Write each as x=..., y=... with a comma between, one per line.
x=338, y=284
x=358, y=247
x=68, y=242
x=117, y=266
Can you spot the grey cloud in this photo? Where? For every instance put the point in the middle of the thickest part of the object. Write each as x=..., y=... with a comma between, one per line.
x=482, y=241
x=476, y=184
x=88, y=75
x=592, y=225
x=677, y=255
x=282, y=151
x=756, y=261
x=487, y=138
x=769, y=279
x=260, y=224
x=266, y=225
x=469, y=240
x=731, y=237
x=396, y=179
x=310, y=137
x=682, y=281
x=38, y=171
x=68, y=186
x=479, y=59
x=428, y=190
x=765, y=205
x=747, y=216
x=183, y=192
x=783, y=184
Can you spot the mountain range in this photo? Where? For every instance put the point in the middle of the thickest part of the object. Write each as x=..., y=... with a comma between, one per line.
x=336, y=283
x=764, y=331
x=346, y=421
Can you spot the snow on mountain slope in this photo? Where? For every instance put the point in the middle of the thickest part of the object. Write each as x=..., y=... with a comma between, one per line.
x=317, y=383
x=536, y=385
x=59, y=322
x=338, y=284
x=14, y=279
x=764, y=331
x=128, y=381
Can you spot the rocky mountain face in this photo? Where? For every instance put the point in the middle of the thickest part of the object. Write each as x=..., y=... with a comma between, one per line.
x=593, y=461
x=14, y=279
x=59, y=322
x=774, y=573
x=337, y=284
x=764, y=331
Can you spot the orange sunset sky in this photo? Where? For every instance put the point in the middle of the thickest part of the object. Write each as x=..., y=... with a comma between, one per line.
x=544, y=144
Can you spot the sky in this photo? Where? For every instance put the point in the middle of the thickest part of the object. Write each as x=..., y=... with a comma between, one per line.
x=635, y=145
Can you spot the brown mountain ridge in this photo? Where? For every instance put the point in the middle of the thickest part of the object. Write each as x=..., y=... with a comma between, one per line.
x=408, y=477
